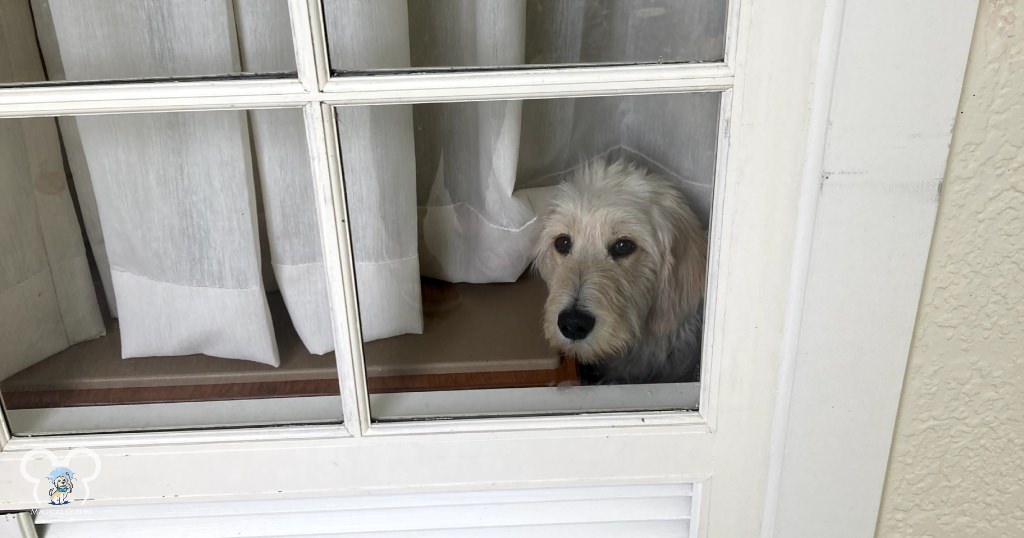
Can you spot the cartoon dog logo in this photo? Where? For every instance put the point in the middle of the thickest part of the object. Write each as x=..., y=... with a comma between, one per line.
x=52, y=479
x=63, y=481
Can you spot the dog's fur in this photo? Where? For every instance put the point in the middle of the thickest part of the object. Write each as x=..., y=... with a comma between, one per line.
x=648, y=305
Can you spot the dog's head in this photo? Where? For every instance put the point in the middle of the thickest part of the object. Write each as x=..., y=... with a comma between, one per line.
x=624, y=258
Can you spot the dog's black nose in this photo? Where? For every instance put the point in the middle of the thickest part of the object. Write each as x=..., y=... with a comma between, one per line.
x=575, y=324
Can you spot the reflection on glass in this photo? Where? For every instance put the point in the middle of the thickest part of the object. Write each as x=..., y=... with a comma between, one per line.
x=201, y=245
x=104, y=40
x=396, y=34
x=447, y=213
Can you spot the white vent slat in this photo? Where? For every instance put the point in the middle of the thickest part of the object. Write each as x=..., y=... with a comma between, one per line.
x=645, y=529
x=369, y=502
x=599, y=511
x=398, y=519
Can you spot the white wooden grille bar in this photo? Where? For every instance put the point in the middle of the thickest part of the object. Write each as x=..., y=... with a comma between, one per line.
x=241, y=93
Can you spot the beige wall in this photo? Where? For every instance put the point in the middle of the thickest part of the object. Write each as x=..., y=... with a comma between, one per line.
x=957, y=461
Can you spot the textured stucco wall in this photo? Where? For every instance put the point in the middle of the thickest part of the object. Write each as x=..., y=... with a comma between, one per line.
x=957, y=462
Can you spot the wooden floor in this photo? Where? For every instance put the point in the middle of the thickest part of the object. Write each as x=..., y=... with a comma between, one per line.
x=287, y=389
x=475, y=337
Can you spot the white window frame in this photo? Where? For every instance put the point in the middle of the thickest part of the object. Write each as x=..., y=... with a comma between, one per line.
x=772, y=369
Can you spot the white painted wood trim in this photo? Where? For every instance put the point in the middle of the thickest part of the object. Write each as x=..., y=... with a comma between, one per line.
x=303, y=29
x=318, y=32
x=710, y=371
x=762, y=185
x=68, y=99
x=332, y=215
x=5, y=431
x=157, y=96
x=517, y=402
x=528, y=82
x=233, y=436
x=177, y=415
x=298, y=468
x=882, y=164
x=17, y=525
x=680, y=421
x=806, y=210
x=732, y=32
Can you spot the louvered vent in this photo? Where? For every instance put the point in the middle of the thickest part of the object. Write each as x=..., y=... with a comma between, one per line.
x=604, y=511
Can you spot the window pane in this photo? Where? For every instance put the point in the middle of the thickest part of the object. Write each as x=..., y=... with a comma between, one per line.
x=450, y=203
x=396, y=34
x=83, y=40
x=175, y=241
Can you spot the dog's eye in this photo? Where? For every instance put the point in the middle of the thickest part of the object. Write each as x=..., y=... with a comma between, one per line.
x=563, y=244
x=622, y=248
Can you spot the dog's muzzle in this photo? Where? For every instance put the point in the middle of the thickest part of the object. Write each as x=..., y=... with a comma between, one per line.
x=575, y=324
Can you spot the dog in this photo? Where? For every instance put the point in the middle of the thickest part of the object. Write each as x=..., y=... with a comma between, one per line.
x=625, y=262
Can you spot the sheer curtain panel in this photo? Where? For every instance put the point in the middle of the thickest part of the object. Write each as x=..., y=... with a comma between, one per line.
x=47, y=299
x=173, y=204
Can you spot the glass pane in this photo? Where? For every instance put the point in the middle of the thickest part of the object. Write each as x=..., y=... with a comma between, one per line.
x=449, y=206
x=168, y=273
x=80, y=40
x=398, y=34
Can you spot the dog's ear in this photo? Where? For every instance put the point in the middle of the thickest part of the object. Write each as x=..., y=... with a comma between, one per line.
x=683, y=270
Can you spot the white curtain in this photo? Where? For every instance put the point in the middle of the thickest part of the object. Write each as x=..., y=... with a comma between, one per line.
x=377, y=142
x=47, y=298
x=181, y=233
x=285, y=178
x=173, y=203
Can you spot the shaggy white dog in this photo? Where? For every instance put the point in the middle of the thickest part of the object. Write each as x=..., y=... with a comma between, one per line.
x=624, y=258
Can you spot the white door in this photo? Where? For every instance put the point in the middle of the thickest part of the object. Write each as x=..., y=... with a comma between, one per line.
x=707, y=458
